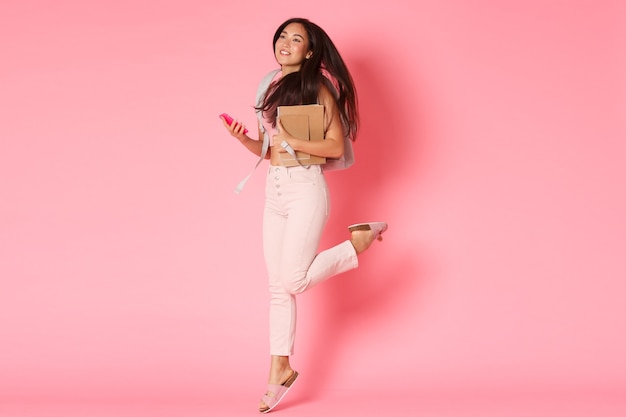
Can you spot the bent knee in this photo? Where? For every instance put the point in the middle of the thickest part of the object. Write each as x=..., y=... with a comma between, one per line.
x=295, y=284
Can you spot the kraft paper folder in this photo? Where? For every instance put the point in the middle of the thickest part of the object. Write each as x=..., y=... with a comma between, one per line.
x=302, y=122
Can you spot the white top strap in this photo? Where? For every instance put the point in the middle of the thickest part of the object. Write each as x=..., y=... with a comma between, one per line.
x=266, y=143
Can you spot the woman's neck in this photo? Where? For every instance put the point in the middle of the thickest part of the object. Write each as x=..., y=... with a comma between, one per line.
x=285, y=69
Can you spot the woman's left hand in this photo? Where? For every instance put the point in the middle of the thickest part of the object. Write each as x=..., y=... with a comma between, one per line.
x=281, y=136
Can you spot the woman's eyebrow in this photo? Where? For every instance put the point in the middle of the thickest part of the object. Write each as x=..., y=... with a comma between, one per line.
x=295, y=34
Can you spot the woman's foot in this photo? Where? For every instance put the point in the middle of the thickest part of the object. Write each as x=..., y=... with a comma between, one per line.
x=275, y=393
x=280, y=373
x=364, y=234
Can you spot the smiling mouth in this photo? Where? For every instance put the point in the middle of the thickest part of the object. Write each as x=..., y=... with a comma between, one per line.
x=284, y=53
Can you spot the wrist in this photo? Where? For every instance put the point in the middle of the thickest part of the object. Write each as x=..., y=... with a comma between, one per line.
x=294, y=143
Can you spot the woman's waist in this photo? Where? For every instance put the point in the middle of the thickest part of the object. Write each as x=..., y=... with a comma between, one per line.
x=287, y=161
x=294, y=168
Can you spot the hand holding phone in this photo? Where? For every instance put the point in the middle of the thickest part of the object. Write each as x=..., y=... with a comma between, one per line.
x=229, y=120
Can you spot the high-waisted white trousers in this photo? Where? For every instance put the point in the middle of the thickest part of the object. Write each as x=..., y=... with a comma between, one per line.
x=297, y=206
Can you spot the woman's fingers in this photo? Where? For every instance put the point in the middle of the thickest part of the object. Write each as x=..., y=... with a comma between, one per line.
x=238, y=128
x=235, y=128
x=276, y=141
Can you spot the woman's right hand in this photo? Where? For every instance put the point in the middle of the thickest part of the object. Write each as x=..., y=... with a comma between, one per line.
x=236, y=129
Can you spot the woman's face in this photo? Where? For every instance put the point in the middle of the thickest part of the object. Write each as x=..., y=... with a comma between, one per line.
x=292, y=47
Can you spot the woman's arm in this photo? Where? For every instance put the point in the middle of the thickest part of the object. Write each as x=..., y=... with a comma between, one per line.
x=331, y=146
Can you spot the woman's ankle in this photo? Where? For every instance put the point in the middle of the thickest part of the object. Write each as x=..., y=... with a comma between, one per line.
x=280, y=369
x=361, y=240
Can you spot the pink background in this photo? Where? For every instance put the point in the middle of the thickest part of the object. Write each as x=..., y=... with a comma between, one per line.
x=492, y=143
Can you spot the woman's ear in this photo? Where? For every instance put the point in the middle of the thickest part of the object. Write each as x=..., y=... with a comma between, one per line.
x=309, y=54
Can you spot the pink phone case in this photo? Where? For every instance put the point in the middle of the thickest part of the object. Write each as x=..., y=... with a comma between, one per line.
x=229, y=120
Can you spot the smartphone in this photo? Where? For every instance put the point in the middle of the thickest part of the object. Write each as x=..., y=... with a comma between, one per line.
x=229, y=120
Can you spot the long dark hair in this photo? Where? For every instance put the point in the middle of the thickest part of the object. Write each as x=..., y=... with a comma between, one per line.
x=325, y=66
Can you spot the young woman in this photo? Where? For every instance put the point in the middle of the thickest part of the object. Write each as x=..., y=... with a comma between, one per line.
x=296, y=198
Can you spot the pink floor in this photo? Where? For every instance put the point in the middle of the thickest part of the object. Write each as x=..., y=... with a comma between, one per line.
x=336, y=403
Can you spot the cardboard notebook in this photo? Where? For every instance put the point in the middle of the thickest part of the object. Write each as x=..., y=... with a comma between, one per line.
x=302, y=122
